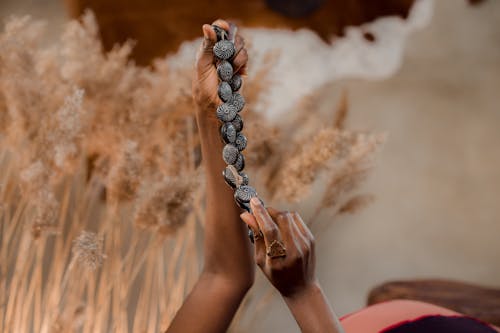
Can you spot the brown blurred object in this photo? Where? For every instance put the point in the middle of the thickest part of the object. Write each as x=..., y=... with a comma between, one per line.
x=475, y=2
x=475, y=301
x=160, y=27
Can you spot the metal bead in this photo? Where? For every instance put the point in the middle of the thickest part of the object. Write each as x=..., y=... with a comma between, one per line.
x=234, y=178
x=245, y=180
x=238, y=101
x=240, y=142
x=244, y=193
x=228, y=133
x=240, y=162
x=229, y=177
x=224, y=49
x=230, y=154
x=226, y=112
x=225, y=92
x=221, y=33
x=237, y=123
x=235, y=82
x=225, y=70
x=244, y=205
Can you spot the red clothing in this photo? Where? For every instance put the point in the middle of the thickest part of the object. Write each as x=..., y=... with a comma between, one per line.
x=403, y=316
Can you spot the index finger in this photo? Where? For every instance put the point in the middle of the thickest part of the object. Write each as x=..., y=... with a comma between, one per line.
x=266, y=224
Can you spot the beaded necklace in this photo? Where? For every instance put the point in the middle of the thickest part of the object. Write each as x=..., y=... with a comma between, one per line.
x=231, y=121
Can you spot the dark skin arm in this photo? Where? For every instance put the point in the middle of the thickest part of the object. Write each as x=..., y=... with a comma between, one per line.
x=294, y=275
x=228, y=270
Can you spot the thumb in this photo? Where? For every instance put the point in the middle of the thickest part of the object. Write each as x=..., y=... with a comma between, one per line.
x=205, y=58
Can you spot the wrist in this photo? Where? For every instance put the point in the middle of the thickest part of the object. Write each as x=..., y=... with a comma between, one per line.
x=206, y=114
x=309, y=290
x=208, y=128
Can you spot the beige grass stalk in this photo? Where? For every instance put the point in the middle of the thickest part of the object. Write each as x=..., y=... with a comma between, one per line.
x=86, y=138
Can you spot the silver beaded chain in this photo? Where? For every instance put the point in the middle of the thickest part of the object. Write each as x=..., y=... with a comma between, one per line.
x=231, y=121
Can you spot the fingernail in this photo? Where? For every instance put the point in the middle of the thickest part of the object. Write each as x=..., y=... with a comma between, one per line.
x=205, y=33
x=256, y=201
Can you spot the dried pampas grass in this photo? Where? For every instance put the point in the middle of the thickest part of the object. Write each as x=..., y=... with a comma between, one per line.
x=100, y=182
x=166, y=205
x=88, y=250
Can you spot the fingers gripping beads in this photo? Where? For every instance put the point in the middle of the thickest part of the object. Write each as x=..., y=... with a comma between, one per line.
x=232, y=123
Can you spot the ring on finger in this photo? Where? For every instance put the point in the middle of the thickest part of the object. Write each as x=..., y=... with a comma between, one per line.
x=276, y=250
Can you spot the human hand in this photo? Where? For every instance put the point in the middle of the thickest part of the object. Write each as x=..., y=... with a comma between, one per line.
x=294, y=273
x=206, y=81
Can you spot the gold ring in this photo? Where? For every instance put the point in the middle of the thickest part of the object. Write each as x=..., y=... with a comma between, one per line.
x=276, y=250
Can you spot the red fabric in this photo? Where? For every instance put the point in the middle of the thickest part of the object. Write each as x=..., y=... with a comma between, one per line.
x=377, y=317
x=441, y=324
x=383, y=316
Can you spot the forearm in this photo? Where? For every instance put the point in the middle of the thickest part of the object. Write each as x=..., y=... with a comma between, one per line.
x=225, y=234
x=210, y=307
x=226, y=275
x=312, y=311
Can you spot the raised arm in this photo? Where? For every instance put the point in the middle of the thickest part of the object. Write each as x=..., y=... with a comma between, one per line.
x=284, y=250
x=228, y=270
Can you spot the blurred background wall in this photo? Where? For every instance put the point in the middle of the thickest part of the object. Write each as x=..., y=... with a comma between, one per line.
x=437, y=182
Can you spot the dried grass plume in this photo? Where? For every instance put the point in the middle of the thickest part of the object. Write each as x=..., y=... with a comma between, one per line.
x=91, y=141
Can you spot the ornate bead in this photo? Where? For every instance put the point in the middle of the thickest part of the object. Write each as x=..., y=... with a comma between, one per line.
x=224, y=49
x=244, y=178
x=237, y=123
x=231, y=154
x=235, y=82
x=244, y=205
x=225, y=70
x=244, y=193
x=240, y=162
x=226, y=112
x=229, y=177
x=221, y=33
x=225, y=91
x=228, y=133
x=234, y=178
x=238, y=101
x=240, y=142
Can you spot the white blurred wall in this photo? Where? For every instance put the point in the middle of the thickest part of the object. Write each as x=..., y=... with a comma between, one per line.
x=437, y=183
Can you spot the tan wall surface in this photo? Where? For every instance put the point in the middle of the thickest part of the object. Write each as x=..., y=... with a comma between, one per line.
x=437, y=212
